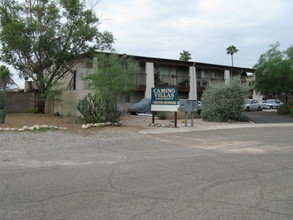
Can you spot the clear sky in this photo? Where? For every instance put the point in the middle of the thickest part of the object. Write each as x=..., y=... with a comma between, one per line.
x=205, y=28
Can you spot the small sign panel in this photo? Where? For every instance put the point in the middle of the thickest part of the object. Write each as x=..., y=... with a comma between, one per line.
x=164, y=96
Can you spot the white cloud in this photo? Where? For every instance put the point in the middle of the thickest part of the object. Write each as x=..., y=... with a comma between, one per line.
x=163, y=28
x=204, y=27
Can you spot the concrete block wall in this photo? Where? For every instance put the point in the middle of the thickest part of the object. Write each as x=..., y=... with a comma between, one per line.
x=19, y=102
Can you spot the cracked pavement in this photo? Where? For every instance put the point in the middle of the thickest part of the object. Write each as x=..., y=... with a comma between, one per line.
x=244, y=173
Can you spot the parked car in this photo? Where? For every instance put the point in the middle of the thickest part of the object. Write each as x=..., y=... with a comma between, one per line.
x=252, y=105
x=198, y=107
x=271, y=103
x=143, y=106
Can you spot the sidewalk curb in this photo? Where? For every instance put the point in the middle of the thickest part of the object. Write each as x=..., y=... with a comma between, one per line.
x=211, y=128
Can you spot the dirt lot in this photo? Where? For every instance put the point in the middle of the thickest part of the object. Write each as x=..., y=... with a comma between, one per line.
x=18, y=120
x=129, y=123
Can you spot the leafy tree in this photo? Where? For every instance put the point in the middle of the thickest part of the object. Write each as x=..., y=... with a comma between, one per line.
x=112, y=80
x=274, y=72
x=44, y=39
x=221, y=102
x=5, y=80
x=185, y=56
x=231, y=50
x=5, y=77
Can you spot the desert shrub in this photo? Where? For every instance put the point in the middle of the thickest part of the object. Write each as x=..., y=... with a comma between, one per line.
x=285, y=109
x=222, y=103
x=34, y=110
x=162, y=115
x=95, y=108
x=112, y=79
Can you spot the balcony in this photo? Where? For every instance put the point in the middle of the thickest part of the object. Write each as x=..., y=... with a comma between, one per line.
x=203, y=82
x=140, y=81
x=179, y=81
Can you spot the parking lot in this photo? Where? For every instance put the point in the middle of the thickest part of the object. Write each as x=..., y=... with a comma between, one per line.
x=270, y=116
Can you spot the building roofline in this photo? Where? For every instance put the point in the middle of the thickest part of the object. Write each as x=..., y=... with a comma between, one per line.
x=187, y=63
x=191, y=63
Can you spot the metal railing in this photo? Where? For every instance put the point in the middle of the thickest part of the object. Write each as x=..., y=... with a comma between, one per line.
x=172, y=80
x=203, y=82
x=175, y=80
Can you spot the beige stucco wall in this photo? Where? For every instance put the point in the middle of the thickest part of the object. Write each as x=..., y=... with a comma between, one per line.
x=67, y=105
x=70, y=98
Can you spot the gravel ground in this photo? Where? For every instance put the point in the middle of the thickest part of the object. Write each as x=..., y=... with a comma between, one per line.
x=129, y=123
x=43, y=149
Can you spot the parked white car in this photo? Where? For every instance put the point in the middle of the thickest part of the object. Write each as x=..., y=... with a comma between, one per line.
x=252, y=105
x=198, y=106
x=271, y=103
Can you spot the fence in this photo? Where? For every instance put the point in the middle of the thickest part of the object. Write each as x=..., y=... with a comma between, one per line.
x=19, y=102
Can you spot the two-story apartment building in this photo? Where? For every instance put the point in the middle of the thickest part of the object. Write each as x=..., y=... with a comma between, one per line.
x=189, y=77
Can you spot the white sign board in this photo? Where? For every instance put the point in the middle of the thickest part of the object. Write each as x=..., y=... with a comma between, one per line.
x=164, y=108
x=164, y=99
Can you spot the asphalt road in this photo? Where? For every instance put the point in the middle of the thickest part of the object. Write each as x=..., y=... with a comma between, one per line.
x=221, y=174
x=268, y=117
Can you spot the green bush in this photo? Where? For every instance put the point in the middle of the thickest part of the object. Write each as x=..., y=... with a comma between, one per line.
x=222, y=103
x=34, y=110
x=162, y=115
x=285, y=109
x=96, y=109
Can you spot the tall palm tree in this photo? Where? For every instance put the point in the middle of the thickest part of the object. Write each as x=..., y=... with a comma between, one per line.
x=231, y=50
x=185, y=55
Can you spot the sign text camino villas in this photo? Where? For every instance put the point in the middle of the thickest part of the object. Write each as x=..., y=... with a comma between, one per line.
x=164, y=96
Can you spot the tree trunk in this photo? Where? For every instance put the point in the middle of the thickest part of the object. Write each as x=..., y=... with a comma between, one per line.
x=40, y=102
x=41, y=95
x=232, y=59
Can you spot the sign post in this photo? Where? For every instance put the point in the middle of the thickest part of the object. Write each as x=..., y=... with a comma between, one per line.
x=165, y=99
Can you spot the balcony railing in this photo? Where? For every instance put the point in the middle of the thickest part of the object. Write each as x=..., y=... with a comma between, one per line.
x=140, y=81
x=174, y=81
x=203, y=82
